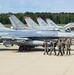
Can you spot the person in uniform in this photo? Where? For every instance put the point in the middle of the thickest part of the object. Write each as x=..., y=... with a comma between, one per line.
x=68, y=45
x=52, y=47
x=59, y=47
x=63, y=46
x=46, y=47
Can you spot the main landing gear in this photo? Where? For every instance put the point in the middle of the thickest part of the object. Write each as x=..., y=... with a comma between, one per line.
x=25, y=48
x=21, y=48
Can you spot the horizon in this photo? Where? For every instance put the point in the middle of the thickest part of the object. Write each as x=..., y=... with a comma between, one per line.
x=34, y=12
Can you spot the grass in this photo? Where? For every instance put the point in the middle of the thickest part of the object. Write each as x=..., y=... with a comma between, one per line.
x=7, y=25
x=61, y=24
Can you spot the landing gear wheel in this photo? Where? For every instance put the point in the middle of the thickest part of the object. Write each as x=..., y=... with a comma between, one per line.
x=21, y=48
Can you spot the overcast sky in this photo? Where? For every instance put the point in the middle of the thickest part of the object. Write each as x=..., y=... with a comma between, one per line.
x=16, y=6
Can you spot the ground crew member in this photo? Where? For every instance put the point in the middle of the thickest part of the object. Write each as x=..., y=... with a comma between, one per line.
x=52, y=47
x=46, y=47
x=63, y=46
x=59, y=47
x=68, y=45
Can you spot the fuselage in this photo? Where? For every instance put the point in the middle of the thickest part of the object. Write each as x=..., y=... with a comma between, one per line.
x=35, y=34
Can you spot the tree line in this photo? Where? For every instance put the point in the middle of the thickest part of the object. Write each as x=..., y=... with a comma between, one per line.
x=58, y=18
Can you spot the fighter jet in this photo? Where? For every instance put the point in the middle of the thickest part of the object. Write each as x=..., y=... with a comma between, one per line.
x=30, y=38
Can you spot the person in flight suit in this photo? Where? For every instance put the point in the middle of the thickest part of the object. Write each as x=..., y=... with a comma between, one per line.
x=46, y=47
x=68, y=45
x=63, y=46
x=59, y=48
x=52, y=47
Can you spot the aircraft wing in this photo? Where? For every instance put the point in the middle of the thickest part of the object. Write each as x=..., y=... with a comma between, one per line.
x=13, y=38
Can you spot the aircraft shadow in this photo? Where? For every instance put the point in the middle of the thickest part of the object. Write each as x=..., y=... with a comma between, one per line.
x=31, y=50
x=3, y=49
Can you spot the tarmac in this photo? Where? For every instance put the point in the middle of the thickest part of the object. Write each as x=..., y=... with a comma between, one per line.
x=33, y=62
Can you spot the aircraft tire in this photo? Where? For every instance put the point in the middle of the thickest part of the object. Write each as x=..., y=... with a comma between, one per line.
x=21, y=48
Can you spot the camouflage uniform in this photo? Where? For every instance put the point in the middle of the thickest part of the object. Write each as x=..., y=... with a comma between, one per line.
x=59, y=44
x=46, y=47
x=63, y=46
x=68, y=45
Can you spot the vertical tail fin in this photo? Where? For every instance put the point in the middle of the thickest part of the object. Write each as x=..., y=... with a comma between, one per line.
x=30, y=22
x=41, y=22
x=69, y=25
x=1, y=25
x=50, y=22
x=17, y=24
